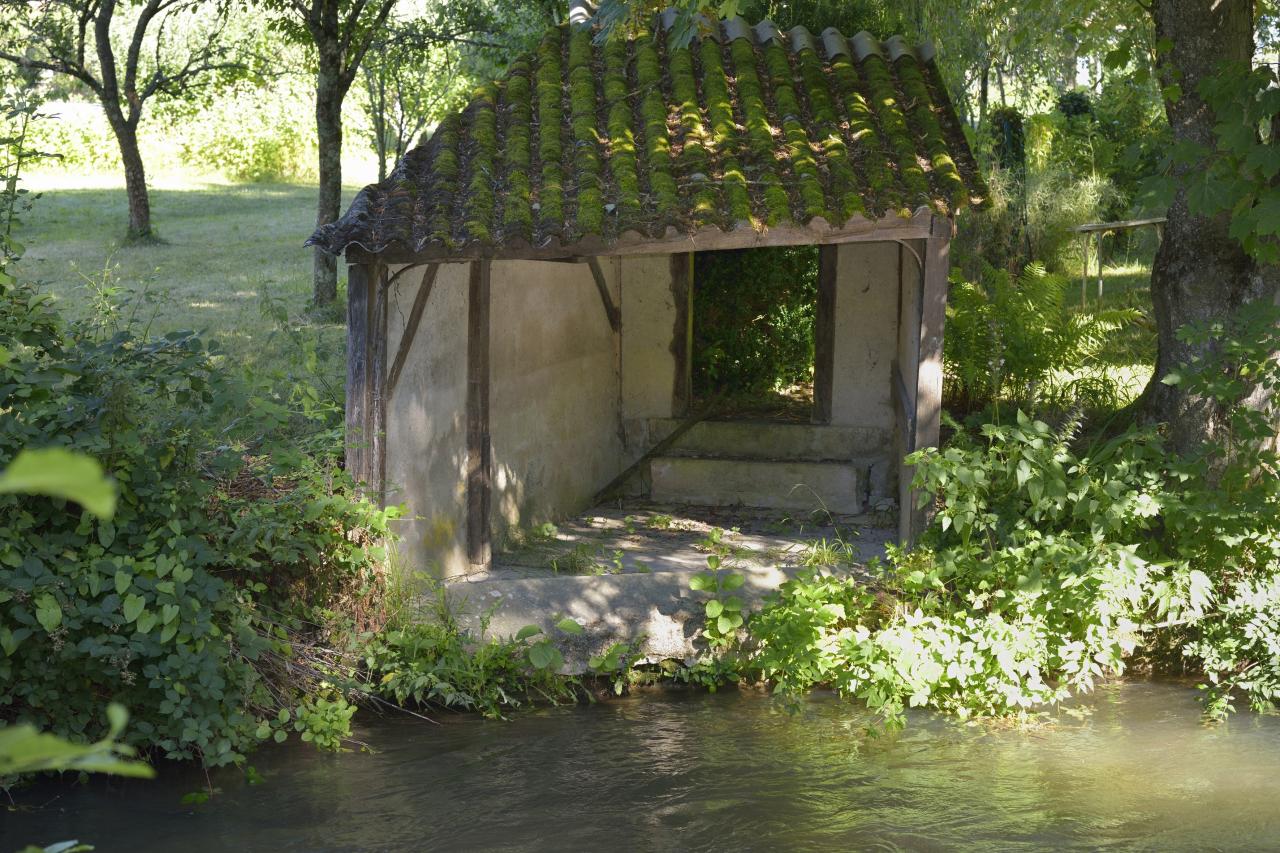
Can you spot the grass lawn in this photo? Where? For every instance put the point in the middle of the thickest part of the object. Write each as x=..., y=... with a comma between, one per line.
x=225, y=248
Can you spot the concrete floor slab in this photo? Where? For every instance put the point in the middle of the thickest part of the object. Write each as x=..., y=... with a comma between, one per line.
x=623, y=572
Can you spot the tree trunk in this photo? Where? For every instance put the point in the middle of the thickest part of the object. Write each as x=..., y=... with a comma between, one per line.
x=1200, y=272
x=329, y=96
x=135, y=177
x=984, y=90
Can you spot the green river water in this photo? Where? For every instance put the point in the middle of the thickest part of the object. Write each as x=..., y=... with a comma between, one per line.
x=1131, y=767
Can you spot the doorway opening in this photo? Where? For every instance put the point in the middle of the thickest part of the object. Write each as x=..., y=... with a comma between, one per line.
x=755, y=327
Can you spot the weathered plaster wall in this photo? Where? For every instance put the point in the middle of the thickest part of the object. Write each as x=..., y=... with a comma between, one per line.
x=649, y=363
x=866, y=334
x=426, y=423
x=648, y=325
x=869, y=281
x=554, y=401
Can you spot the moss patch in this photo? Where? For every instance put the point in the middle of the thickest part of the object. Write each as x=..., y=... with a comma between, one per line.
x=588, y=140
x=548, y=82
x=653, y=112
x=776, y=206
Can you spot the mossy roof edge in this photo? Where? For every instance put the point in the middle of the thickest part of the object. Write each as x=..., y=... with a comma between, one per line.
x=882, y=142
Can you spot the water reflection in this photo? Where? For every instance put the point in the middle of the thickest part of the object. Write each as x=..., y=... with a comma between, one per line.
x=1131, y=768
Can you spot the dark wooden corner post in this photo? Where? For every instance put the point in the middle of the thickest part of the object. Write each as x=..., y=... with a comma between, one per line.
x=682, y=334
x=824, y=333
x=923, y=315
x=479, y=455
x=366, y=377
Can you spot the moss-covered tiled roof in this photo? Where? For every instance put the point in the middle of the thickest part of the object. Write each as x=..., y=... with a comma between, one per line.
x=588, y=146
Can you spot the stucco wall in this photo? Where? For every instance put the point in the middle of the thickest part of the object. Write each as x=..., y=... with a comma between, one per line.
x=554, y=400
x=426, y=423
x=869, y=283
x=866, y=335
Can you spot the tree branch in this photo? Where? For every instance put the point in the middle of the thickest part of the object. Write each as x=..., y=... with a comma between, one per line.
x=62, y=66
x=110, y=94
x=145, y=17
x=352, y=64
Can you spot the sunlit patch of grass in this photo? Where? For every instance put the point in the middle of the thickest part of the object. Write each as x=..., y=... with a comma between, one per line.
x=225, y=246
x=829, y=553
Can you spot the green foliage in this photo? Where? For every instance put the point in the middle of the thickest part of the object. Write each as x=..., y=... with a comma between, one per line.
x=248, y=136
x=1223, y=520
x=24, y=750
x=180, y=605
x=724, y=612
x=1015, y=340
x=1048, y=564
x=1008, y=139
x=615, y=664
x=1237, y=174
x=754, y=313
x=58, y=473
x=429, y=659
x=324, y=722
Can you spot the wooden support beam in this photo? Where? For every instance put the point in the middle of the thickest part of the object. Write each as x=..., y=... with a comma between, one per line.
x=377, y=384
x=933, y=317
x=611, y=311
x=359, y=279
x=926, y=396
x=682, y=334
x=411, y=326
x=479, y=458
x=824, y=334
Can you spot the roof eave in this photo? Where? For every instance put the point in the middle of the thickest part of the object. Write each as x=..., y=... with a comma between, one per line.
x=923, y=223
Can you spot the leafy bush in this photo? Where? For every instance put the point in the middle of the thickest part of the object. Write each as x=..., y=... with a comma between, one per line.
x=1015, y=598
x=181, y=605
x=1014, y=339
x=753, y=319
x=429, y=659
x=1046, y=566
x=250, y=138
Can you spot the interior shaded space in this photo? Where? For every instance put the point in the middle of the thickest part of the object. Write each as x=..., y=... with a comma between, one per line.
x=640, y=537
x=791, y=405
x=754, y=319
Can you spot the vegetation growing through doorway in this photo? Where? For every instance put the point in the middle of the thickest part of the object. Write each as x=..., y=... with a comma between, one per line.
x=754, y=313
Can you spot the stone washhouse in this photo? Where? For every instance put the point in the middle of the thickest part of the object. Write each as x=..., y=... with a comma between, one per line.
x=520, y=287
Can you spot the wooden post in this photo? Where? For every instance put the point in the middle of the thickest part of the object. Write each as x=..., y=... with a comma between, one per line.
x=824, y=334
x=933, y=316
x=1084, y=271
x=377, y=372
x=926, y=395
x=479, y=458
x=360, y=278
x=682, y=334
x=1100, y=233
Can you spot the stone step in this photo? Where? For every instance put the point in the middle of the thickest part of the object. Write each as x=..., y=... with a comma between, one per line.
x=764, y=440
x=791, y=485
